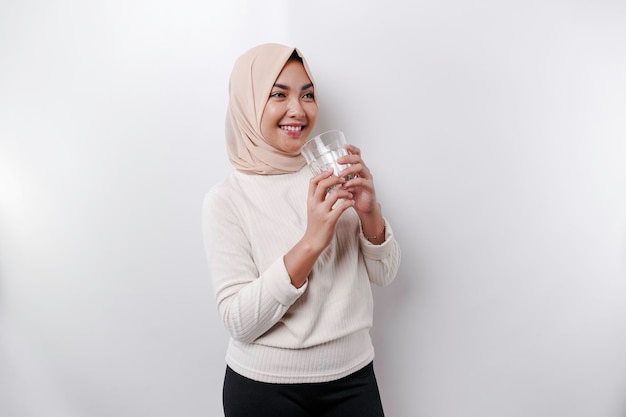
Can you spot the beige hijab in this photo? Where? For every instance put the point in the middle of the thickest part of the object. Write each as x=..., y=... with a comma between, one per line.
x=251, y=81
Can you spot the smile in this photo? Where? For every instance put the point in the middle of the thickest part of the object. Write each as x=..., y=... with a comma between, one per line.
x=292, y=128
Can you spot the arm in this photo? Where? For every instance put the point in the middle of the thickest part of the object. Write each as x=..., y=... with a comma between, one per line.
x=323, y=212
x=380, y=249
x=249, y=301
x=381, y=261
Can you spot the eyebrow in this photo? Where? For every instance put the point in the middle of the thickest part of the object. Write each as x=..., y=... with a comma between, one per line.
x=284, y=87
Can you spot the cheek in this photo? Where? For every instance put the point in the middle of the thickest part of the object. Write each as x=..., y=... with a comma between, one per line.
x=271, y=114
x=311, y=113
x=268, y=120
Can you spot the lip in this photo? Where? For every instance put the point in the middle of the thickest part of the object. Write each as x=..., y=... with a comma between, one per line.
x=293, y=133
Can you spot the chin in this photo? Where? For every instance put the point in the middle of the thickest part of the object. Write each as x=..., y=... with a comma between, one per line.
x=291, y=145
x=293, y=148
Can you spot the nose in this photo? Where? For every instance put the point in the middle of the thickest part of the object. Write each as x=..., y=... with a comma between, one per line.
x=295, y=109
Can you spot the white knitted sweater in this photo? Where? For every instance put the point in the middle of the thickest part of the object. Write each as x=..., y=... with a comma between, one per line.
x=280, y=334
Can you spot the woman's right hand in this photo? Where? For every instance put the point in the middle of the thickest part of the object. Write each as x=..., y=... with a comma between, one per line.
x=323, y=212
x=324, y=209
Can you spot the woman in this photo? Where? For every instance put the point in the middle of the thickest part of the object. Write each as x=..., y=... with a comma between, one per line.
x=292, y=266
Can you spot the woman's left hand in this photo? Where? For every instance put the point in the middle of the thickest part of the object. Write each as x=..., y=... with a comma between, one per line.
x=364, y=195
x=361, y=187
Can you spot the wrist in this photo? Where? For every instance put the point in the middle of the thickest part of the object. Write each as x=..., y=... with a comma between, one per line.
x=379, y=237
x=374, y=217
x=373, y=226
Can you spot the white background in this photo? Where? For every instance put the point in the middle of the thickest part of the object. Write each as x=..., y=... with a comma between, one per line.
x=496, y=131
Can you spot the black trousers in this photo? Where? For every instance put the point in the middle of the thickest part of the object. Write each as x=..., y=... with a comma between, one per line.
x=355, y=395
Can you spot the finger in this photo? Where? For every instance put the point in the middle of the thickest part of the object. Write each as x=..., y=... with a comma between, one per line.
x=358, y=182
x=357, y=170
x=322, y=175
x=338, y=194
x=326, y=184
x=314, y=182
x=339, y=208
x=352, y=149
x=349, y=159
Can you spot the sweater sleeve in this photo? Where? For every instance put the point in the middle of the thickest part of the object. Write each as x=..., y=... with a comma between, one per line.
x=382, y=261
x=249, y=301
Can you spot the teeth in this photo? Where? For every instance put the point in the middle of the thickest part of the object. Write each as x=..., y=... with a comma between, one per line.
x=292, y=128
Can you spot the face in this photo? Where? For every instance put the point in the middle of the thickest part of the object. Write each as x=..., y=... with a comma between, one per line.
x=291, y=110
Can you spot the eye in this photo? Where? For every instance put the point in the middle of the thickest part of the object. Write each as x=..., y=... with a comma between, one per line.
x=277, y=94
x=309, y=96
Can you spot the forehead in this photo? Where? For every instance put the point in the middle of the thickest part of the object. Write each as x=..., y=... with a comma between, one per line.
x=293, y=72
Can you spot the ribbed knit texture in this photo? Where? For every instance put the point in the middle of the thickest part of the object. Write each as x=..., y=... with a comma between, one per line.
x=280, y=334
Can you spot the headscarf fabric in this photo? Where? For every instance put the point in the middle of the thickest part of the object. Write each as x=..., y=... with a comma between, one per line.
x=251, y=82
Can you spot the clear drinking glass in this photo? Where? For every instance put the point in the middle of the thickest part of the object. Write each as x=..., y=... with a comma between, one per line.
x=322, y=151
